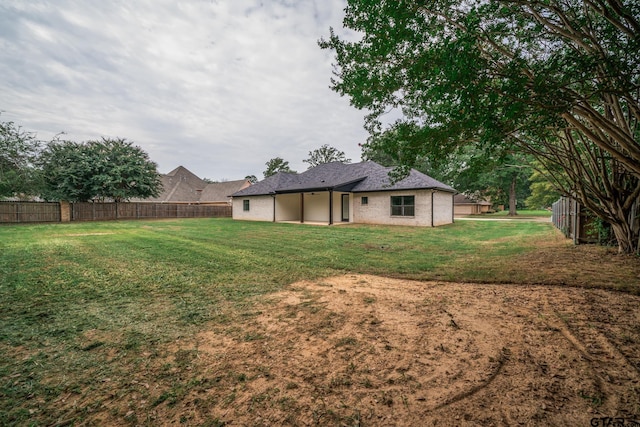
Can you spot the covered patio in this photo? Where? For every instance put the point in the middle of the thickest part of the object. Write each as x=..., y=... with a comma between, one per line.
x=313, y=207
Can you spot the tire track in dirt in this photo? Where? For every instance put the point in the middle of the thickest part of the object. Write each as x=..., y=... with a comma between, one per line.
x=596, y=347
x=475, y=389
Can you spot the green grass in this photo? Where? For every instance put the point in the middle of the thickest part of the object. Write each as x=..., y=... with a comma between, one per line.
x=86, y=306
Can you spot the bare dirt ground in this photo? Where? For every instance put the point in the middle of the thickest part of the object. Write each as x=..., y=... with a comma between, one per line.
x=370, y=351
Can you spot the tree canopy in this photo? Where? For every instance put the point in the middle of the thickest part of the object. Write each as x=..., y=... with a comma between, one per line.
x=275, y=165
x=497, y=175
x=488, y=69
x=555, y=79
x=108, y=169
x=325, y=154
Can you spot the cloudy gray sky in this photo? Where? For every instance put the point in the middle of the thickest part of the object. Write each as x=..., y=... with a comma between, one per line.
x=217, y=86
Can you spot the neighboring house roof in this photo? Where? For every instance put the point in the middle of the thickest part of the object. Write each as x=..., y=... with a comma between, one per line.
x=461, y=199
x=349, y=177
x=182, y=185
x=219, y=191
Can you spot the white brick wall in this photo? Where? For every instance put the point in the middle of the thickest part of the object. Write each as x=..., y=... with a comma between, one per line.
x=442, y=208
x=377, y=211
x=260, y=208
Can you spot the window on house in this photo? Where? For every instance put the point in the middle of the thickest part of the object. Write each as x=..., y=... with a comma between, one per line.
x=403, y=205
x=245, y=205
x=364, y=200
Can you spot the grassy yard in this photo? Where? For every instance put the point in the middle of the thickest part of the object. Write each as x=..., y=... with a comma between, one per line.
x=127, y=288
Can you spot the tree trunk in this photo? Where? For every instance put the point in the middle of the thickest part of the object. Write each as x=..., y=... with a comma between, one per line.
x=512, y=196
x=626, y=228
x=627, y=237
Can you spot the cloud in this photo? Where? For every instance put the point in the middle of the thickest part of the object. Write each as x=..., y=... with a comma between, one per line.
x=219, y=87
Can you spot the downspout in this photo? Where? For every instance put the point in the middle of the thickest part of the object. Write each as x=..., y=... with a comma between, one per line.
x=432, y=210
x=274, y=208
x=330, y=207
x=453, y=207
x=301, y=208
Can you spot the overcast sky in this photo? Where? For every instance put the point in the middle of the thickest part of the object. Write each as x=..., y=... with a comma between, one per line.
x=217, y=86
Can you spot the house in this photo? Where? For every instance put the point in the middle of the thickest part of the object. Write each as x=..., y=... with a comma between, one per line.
x=182, y=186
x=465, y=205
x=347, y=193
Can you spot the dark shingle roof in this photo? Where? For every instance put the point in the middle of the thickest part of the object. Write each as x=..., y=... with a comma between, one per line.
x=354, y=177
x=268, y=185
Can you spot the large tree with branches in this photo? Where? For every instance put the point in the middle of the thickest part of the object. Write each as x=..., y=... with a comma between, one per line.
x=555, y=78
x=108, y=169
x=325, y=154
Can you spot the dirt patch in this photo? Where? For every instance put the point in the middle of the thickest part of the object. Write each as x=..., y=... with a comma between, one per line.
x=364, y=350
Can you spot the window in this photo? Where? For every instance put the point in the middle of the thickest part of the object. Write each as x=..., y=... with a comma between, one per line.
x=364, y=200
x=245, y=205
x=403, y=205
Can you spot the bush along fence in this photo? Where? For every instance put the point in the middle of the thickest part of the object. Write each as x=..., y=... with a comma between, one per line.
x=29, y=212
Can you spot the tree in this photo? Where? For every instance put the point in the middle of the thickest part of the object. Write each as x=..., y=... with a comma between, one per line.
x=18, y=150
x=543, y=192
x=325, y=154
x=516, y=74
x=251, y=178
x=498, y=175
x=276, y=165
x=112, y=169
x=502, y=179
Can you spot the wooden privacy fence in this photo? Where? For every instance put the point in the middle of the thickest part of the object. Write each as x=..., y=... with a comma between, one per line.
x=574, y=220
x=17, y=212
x=29, y=212
x=142, y=210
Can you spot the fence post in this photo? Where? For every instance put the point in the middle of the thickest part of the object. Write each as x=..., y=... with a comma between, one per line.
x=576, y=222
x=65, y=211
